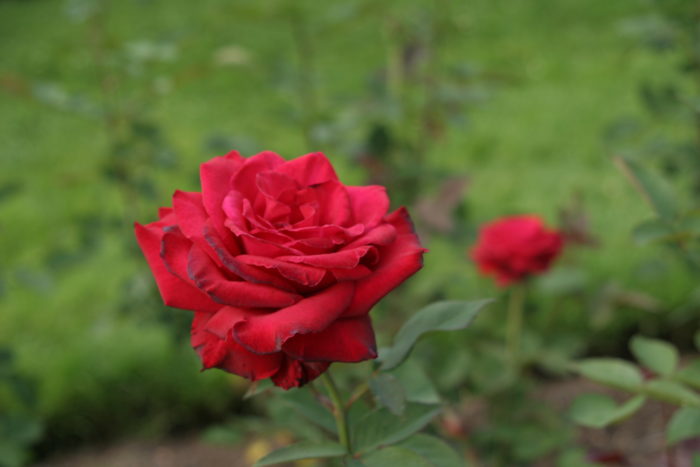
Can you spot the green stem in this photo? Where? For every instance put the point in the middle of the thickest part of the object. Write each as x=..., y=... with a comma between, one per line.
x=514, y=325
x=341, y=421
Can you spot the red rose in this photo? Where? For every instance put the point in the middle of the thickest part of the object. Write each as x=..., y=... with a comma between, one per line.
x=281, y=264
x=513, y=248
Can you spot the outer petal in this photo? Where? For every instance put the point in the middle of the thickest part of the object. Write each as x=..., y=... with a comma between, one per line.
x=310, y=169
x=174, y=249
x=190, y=213
x=267, y=333
x=346, y=340
x=226, y=354
x=206, y=276
x=175, y=291
x=249, y=365
x=398, y=262
x=294, y=373
x=193, y=220
x=164, y=213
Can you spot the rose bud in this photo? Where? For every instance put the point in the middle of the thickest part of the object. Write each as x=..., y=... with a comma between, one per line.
x=281, y=264
x=513, y=248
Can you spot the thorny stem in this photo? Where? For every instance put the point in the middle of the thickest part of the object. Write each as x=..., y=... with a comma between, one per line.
x=341, y=421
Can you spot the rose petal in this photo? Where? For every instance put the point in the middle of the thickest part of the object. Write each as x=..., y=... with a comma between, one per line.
x=207, y=277
x=260, y=247
x=267, y=333
x=302, y=274
x=174, y=249
x=369, y=203
x=222, y=322
x=243, y=270
x=232, y=206
x=383, y=234
x=249, y=365
x=175, y=291
x=228, y=355
x=293, y=373
x=216, y=176
x=245, y=179
x=277, y=186
x=355, y=274
x=335, y=204
x=343, y=259
x=398, y=261
x=190, y=213
x=310, y=169
x=192, y=220
x=164, y=213
x=330, y=234
x=346, y=340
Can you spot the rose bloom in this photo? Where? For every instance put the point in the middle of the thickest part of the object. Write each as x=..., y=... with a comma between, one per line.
x=514, y=248
x=281, y=264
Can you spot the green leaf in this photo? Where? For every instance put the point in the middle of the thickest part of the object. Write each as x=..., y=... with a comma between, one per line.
x=598, y=410
x=395, y=456
x=697, y=340
x=611, y=372
x=389, y=392
x=684, y=424
x=436, y=451
x=689, y=224
x=304, y=403
x=690, y=375
x=657, y=355
x=440, y=316
x=301, y=451
x=654, y=230
x=652, y=187
x=380, y=427
x=672, y=392
x=418, y=386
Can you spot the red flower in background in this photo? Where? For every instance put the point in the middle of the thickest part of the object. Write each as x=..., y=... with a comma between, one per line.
x=281, y=264
x=513, y=248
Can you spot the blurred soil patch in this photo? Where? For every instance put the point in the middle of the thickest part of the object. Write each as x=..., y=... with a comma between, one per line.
x=182, y=452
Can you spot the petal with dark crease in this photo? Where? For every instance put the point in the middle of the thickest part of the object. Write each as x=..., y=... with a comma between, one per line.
x=398, y=261
x=268, y=332
x=207, y=277
x=346, y=340
x=175, y=291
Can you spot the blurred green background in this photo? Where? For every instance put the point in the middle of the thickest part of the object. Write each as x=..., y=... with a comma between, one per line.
x=466, y=110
